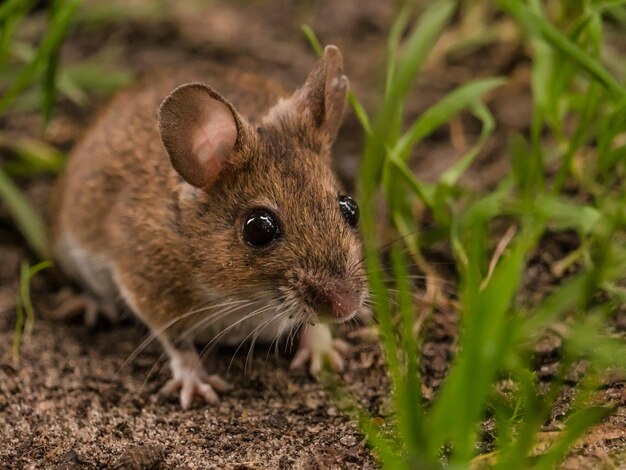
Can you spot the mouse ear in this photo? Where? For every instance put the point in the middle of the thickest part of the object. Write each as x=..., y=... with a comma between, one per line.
x=324, y=92
x=201, y=132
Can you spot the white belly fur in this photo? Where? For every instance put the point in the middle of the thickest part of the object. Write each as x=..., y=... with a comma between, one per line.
x=91, y=270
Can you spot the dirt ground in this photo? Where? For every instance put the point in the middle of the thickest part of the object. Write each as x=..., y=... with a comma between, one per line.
x=70, y=404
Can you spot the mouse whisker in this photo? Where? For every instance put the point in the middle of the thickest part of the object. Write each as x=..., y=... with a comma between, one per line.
x=215, y=316
x=225, y=308
x=205, y=322
x=440, y=281
x=254, y=334
x=302, y=320
x=287, y=313
x=284, y=314
x=260, y=310
x=154, y=333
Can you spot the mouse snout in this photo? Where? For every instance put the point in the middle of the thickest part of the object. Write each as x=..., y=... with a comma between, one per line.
x=334, y=298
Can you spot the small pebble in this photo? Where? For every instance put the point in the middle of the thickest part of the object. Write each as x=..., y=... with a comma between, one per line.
x=45, y=405
x=348, y=441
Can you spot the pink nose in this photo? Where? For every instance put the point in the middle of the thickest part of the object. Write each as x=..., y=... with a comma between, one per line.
x=331, y=297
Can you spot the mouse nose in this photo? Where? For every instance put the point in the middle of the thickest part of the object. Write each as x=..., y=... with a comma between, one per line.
x=332, y=297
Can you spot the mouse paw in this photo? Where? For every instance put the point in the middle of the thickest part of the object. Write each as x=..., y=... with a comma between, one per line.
x=71, y=305
x=318, y=346
x=190, y=379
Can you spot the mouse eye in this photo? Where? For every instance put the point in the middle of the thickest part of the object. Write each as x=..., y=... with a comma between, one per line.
x=260, y=228
x=349, y=210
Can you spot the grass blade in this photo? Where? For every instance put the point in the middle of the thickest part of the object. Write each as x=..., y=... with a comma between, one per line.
x=313, y=41
x=540, y=27
x=50, y=43
x=452, y=174
x=24, y=313
x=441, y=112
x=419, y=44
x=12, y=7
x=27, y=219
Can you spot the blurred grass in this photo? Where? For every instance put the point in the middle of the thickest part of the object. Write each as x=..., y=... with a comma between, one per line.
x=38, y=64
x=43, y=65
x=31, y=78
x=27, y=219
x=569, y=84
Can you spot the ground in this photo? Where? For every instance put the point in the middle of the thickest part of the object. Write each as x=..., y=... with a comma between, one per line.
x=72, y=402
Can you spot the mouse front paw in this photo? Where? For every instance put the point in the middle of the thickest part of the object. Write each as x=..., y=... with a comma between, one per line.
x=190, y=380
x=317, y=346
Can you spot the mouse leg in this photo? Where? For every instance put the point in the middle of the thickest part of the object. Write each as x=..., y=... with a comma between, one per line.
x=316, y=346
x=190, y=377
x=71, y=304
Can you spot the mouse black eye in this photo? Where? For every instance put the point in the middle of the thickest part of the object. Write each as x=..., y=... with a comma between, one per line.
x=349, y=210
x=260, y=228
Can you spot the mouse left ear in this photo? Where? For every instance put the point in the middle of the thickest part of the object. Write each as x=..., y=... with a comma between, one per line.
x=324, y=92
x=201, y=131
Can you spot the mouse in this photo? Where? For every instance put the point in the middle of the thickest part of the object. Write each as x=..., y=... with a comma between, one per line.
x=202, y=199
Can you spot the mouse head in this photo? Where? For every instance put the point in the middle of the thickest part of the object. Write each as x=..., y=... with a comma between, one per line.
x=261, y=210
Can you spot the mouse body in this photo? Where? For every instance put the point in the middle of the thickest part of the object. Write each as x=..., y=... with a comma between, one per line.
x=203, y=199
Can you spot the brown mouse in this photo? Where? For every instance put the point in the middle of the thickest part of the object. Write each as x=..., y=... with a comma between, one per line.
x=216, y=218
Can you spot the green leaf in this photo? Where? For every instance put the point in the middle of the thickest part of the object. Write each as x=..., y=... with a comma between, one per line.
x=566, y=214
x=452, y=174
x=24, y=313
x=442, y=111
x=33, y=157
x=419, y=44
x=49, y=85
x=313, y=41
x=27, y=219
x=11, y=8
x=539, y=27
x=49, y=45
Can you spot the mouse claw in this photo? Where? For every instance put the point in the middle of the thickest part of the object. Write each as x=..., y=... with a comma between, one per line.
x=219, y=383
x=317, y=347
x=193, y=385
x=190, y=379
x=189, y=388
x=341, y=346
x=300, y=359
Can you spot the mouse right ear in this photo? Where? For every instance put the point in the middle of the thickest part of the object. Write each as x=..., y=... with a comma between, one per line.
x=323, y=94
x=201, y=132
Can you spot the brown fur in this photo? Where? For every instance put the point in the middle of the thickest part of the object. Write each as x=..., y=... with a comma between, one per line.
x=166, y=241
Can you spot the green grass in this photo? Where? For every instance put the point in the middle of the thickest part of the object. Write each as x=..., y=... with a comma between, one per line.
x=43, y=66
x=32, y=79
x=24, y=313
x=569, y=84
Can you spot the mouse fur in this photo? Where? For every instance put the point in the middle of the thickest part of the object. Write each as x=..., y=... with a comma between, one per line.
x=149, y=213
